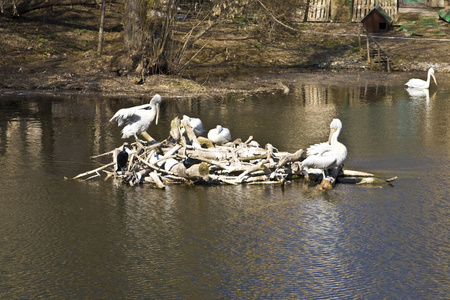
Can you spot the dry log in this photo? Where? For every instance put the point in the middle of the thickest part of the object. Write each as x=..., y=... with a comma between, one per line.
x=103, y=154
x=225, y=179
x=351, y=173
x=253, y=169
x=175, y=129
x=290, y=158
x=244, y=168
x=205, y=142
x=208, y=154
x=198, y=171
x=157, y=180
x=147, y=136
x=191, y=137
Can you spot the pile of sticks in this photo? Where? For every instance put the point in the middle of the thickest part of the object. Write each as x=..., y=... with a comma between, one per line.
x=185, y=158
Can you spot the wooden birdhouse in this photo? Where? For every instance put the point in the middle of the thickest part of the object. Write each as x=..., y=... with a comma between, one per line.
x=377, y=20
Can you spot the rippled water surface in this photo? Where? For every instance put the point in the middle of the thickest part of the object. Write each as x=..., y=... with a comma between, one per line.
x=99, y=239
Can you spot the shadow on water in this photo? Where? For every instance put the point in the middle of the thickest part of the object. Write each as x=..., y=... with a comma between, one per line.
x=98, y=239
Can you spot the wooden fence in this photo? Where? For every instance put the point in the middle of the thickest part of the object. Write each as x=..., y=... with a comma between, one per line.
x=319, y=10
x=362, y=7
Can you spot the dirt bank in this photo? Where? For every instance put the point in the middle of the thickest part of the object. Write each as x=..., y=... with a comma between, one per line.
x=56, y=51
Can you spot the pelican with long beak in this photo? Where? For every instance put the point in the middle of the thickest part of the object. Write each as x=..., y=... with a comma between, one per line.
x=138, y=119
x=327, y=155
x=422, y=84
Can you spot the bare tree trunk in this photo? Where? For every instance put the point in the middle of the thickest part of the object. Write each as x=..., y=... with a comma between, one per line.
x=134, y=17
x=102, y=24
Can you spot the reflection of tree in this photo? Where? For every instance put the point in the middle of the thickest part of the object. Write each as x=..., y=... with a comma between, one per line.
x=46, y=121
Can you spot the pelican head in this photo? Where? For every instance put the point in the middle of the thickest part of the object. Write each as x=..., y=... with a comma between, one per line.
x=156, y=103
x=431, y=73
x=335, y=127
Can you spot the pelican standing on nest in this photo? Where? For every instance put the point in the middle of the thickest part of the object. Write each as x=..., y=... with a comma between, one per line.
x=327, y=155
x=219, y=135
x=138, y=119
x=422, y=84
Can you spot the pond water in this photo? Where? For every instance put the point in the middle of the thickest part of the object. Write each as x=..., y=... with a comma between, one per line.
x=100, y=239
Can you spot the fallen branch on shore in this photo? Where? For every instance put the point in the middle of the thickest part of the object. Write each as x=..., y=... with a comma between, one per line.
x=184, y=158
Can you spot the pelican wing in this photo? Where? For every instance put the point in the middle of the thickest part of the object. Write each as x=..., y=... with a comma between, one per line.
x=318, y=149
x=126, y=115
x=323, y=161
x=417, y=83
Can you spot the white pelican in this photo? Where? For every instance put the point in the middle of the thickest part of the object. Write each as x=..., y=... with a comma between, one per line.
x=422, y=84
x=138, y=118
x=327, y=155
x=196, y=124
x=219, y=135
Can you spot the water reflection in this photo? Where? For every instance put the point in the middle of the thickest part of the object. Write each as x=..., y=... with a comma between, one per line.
x=96, y=239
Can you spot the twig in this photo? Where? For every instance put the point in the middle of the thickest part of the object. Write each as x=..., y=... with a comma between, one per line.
x=93, y=171
x=275, y=19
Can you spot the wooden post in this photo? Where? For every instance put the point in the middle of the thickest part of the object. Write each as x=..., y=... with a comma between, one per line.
x=100, y=31
x=368, y=49
x=359, y=36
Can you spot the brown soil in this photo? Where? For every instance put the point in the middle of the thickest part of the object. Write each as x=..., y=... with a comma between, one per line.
x=57, y=50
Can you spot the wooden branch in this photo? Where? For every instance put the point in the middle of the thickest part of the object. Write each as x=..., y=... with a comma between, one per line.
x=274, y=18
x=191, y=42
x=157, y=180
x=175, y=129
x=192, y=138
x=205, y=142
x=290, y=158
x=94, y=171
x=103, y=154
x=351, y=173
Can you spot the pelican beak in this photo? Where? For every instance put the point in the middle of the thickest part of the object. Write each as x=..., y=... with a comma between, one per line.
x=157, y=114
x=434, y=78
x=331, y=134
